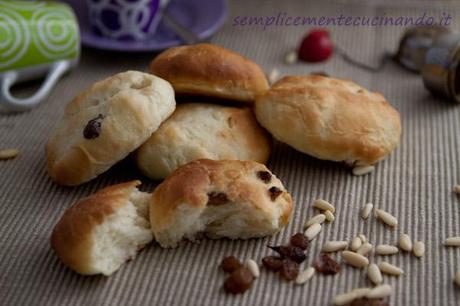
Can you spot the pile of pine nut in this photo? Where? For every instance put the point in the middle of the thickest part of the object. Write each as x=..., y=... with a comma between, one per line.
x=357, y=254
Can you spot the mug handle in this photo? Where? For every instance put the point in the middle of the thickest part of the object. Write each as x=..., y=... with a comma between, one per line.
x=15, y=104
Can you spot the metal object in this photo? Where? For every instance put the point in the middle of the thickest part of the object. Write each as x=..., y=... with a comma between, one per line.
x=442, y=66
x=413, y=46
x=386, y=57
x=415, y=43
x=185, y=34
x=435, y=53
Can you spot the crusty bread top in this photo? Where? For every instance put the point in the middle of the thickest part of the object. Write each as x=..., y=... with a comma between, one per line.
x=198, y=130
x=129, y=106
x=237, y=122
x=210, y=70
x=330, y=118
x=72, y=237
x=191, y=185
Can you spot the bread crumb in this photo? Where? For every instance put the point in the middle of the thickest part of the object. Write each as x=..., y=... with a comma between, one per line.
x=274, y=76
x=291, y=58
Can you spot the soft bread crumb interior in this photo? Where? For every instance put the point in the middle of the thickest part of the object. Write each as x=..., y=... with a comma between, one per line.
x=234, y=221
x=186, y=224
x=122, y=235
x=238, y=221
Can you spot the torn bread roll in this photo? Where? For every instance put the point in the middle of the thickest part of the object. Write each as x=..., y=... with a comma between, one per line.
x=330, y=119
x=233, y=199
x=99, y=233
x=197, y=131
x=211, y=71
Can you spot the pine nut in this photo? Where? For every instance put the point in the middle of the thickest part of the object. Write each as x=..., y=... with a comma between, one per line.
x=374, y=274
x=361, y=292
x=316, y=219
x=405, y=243
x=365, y=249
x=9, y=154
x=334, y=246
x=346, y=298
x=452, y=241
x=457, y=189
x=363, y=238
x=457, y=278
x=419, y=248
x=386, y=218
x=386, y=249
x=304, y=276
x=379, y=292
x=362, y=170
x=313, y=231
x=375, y=212
x=366, y=211
x=390, y=269
x=356, y=244
x=290, y=58
x=329, y=216
x=324, y=205
x=343, y=299
x=354, y=259
x=253, y=267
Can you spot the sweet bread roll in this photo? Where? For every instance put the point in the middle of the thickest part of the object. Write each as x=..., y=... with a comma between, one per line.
x=211, y=71
x=197, y=131
x=330, y=119
x=102, y=125
x=233, y=199
x=99, y=233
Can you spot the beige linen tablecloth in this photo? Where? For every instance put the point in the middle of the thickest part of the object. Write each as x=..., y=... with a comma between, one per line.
x=414, y=183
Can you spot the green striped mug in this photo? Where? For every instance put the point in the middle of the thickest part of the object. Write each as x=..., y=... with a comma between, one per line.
x=37, y=39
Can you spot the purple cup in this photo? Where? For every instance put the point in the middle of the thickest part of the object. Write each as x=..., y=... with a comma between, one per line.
x=125, y=19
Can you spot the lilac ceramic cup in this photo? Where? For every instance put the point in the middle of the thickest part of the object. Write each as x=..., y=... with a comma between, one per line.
x=125, y=19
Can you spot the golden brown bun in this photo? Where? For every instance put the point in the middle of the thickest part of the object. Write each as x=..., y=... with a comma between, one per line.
x=197, y=131
x=132, y=105
x=330, y=119
x=91, y=229
x=220, y=198
x=211, y=71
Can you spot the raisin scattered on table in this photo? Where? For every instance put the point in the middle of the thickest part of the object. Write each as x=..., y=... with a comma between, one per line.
x=300, y=240
x=291, y=252
x=289, y=270
x=93, y=127
x=272, y=263
x=368, y=302
x=230, y=264
x=274, y=192
x=239, y=281
x=265, y=176
x=326, y=265
x=217, y=198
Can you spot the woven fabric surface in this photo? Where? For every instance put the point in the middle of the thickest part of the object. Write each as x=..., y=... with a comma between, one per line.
x=414, y=183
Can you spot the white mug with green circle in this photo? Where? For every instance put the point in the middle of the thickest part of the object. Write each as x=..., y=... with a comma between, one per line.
x=37, y=39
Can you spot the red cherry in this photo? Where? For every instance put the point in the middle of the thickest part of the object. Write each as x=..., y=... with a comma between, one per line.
x=317, y=46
